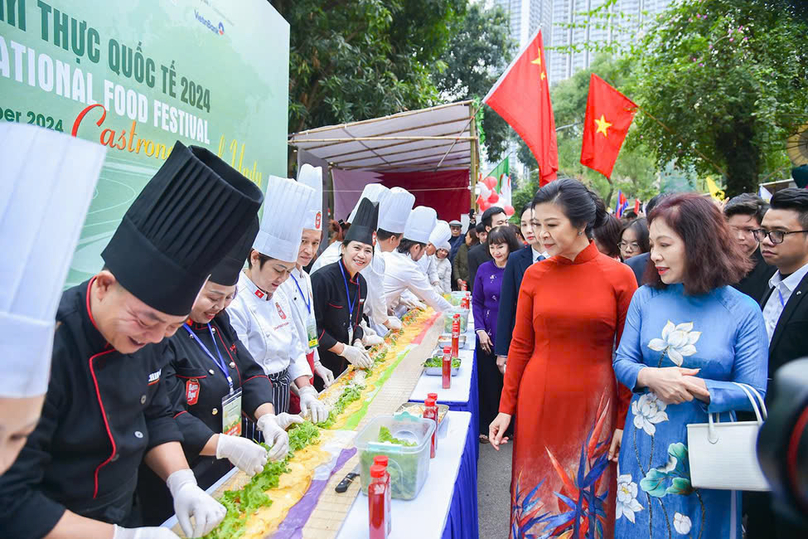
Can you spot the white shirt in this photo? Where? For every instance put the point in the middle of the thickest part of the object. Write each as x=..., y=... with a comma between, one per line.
x=375, y=304
x=329, y=256
x=535, y=254
x=780, y=296
x=302, y=303
x=402, y=273
x=266, y=327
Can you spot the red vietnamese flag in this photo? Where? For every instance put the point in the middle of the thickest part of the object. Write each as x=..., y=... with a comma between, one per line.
x=522, y=97
x=608, y=117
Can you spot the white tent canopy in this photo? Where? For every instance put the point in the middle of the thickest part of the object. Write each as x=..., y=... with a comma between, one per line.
x=437, y=138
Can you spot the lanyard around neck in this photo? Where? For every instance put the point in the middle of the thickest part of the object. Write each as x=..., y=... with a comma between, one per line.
x=348, y=294
x=306, y=300
x=220, y=362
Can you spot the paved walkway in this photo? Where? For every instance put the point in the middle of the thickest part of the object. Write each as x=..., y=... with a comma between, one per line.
x=493, y=491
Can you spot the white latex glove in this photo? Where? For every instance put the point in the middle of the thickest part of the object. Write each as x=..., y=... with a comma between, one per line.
x=367, y=330
x=393, y=323
x=275, y=435
x=192, y=501
x=285, y=420
x=309, y=403
x=357, y=356
x=371, y=340
x=415, y=304
x=246, y=455
x=324, y=373
x=143, y=533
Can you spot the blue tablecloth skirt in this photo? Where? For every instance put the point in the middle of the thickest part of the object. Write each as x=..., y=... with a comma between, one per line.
x=461, y=523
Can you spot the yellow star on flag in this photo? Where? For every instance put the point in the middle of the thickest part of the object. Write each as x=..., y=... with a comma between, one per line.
x=603, y=125
x=537, y=61
x=543, y=76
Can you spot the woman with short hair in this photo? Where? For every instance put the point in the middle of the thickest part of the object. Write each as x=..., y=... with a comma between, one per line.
x=485, y=306
x=559, y=379
x=688, y=337
x=634, y=239
x=607, y=237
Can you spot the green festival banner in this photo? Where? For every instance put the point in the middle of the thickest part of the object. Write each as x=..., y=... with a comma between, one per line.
x=139, y=75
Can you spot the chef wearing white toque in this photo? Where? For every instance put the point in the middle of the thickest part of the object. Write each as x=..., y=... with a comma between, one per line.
x=373, y=192
x=395, y=207
x=402, y=272
x=43, y=202
x=261, y=316
x=439, y=235
x=297, y=288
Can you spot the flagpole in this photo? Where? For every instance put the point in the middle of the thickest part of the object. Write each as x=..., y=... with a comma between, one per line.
x=669, y=130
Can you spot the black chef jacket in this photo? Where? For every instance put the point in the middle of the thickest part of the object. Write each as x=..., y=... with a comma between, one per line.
x=332, y=312
x=103, y=411
x=196, y=387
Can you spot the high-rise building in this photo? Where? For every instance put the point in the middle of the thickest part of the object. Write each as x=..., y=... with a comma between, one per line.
x=526, y=16
x=635, y=14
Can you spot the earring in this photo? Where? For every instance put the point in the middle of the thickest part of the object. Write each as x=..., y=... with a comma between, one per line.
x=580, y=232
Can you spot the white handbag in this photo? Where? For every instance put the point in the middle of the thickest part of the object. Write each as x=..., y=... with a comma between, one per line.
x=723, y=456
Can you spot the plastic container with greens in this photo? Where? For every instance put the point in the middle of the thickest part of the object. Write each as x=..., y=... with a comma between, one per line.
x=449, y=316
x=404, y=439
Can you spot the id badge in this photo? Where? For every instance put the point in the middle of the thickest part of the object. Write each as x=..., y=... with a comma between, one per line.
x=231, y=413
x=311, y=332
x=350, y=335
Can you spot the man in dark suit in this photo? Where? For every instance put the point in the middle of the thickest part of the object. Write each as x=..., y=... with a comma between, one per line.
x=783, y=238
x=744, y=214
x=492, y=218
x=515, y=269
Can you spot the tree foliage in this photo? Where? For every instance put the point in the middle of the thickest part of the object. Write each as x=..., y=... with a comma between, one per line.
x=728, y=79
x=358, y=59
x=477, y=54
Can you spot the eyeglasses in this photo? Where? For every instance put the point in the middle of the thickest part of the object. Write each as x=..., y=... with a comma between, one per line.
x=625, y=245
x=775, y=236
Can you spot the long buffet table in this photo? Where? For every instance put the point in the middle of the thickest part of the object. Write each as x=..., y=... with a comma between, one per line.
x=446, y=507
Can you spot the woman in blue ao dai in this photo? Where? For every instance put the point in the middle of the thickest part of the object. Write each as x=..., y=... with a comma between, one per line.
x=688, y=336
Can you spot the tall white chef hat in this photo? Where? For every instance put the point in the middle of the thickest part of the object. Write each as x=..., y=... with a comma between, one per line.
x=420, y=224
x=48, y=183
x=395, y=209
x=284, y=218
x=440, y=234
x=313, y=177
x=374, y=192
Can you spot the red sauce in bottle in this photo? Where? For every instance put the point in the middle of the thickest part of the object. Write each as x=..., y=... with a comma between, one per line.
x=456, y=336
x=431, y=412
x=382, y=460
x=447, y=368
x=377, y=502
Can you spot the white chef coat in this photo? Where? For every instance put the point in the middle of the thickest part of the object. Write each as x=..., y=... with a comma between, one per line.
x=402, y=273
x=329, y=256
x=265, y=325
x=443, y=272
x=432, y=271
x=783, y=288
x=375, y=304
x=423, y=264
x=302, y=306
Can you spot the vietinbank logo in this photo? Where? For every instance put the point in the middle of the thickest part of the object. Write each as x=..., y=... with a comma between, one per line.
x=209, y=25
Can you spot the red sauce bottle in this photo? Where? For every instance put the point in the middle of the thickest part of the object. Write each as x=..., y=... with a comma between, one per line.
x=382, y=460
x=456, y=335
x=377, y=502
x=447, y=368
x=431, y=412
